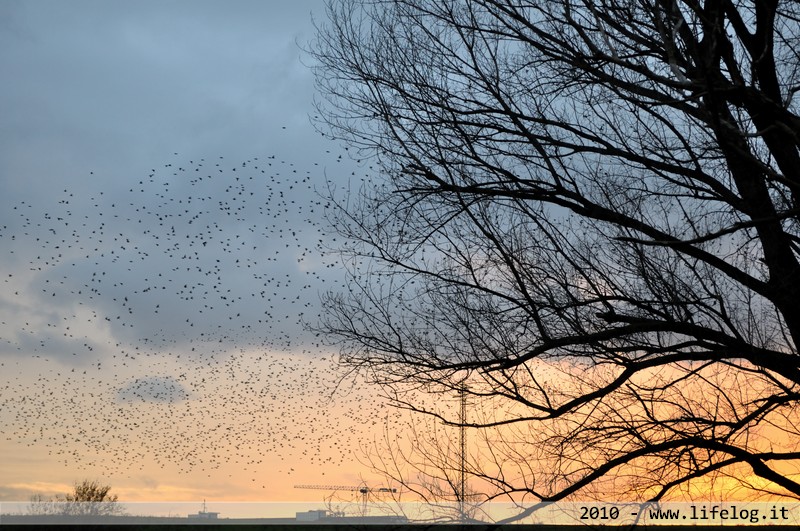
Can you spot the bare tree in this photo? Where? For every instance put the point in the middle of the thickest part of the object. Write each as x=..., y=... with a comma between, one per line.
x=590, y=207
x=88, y=498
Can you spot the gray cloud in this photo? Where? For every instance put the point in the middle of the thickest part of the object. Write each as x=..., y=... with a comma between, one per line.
x=102, y=219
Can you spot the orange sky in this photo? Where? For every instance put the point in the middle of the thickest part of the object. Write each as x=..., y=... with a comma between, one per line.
x=251, y=427
x=249, y=431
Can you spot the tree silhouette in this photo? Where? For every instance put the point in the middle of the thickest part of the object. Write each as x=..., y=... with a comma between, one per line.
x=88, y=498
x=590, y=207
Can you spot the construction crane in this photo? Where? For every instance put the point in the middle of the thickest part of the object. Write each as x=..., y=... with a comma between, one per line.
x=363, y=489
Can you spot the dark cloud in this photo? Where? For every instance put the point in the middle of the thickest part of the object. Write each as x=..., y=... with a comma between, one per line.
x=114, y=86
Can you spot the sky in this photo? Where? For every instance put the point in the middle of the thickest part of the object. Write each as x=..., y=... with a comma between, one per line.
x=162, y=251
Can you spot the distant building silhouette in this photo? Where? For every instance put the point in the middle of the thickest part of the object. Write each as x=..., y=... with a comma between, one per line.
x=204, y=515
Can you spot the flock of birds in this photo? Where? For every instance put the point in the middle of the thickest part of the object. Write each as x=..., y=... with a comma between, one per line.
x=167, y=319
x=221, y=239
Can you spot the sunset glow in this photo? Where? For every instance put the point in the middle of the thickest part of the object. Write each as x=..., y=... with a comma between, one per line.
x=338, y=257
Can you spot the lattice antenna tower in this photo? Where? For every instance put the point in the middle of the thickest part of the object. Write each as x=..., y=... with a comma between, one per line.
x=462, y=471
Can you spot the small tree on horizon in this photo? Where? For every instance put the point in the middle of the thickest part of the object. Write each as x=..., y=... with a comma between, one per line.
x=90, y=491
x=88, y=497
